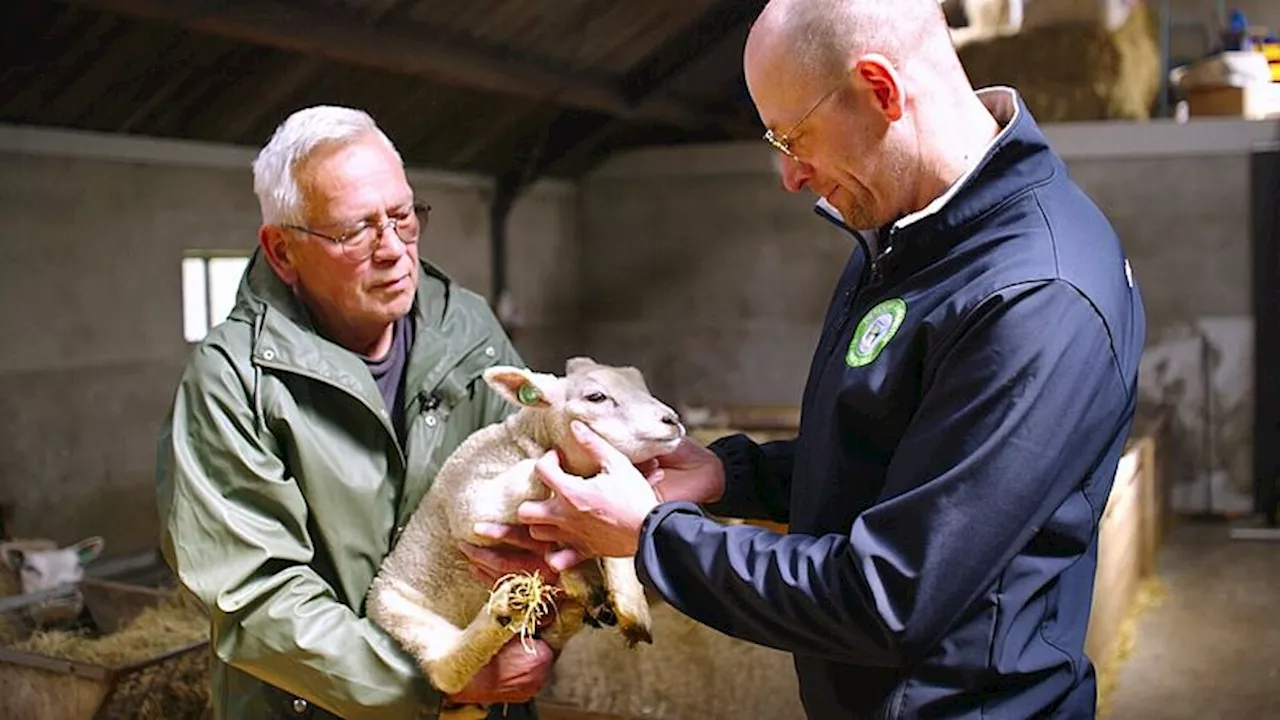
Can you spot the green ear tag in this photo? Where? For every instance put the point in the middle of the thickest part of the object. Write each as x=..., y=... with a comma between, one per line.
x=528, y=394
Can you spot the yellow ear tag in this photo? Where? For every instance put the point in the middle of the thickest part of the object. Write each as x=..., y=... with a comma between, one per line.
x=528, y=394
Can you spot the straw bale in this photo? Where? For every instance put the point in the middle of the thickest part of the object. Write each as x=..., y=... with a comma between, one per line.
x=690, y=671
x=1074, y=71
x=1151, y=593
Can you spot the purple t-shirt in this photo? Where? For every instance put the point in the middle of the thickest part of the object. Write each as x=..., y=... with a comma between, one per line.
x=388, y=372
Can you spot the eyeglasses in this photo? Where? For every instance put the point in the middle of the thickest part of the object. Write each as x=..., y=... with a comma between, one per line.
x=782, y=143
x=360, y=242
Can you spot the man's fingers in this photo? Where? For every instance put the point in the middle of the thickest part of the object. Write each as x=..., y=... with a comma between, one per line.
x=495, y=563
x=552, y=475
x=607, y=455
x=540, y=512
x=515, y=535
x=549, y=534
x=561, y=560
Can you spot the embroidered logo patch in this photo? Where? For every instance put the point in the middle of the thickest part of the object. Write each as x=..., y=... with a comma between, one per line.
x=875, y=331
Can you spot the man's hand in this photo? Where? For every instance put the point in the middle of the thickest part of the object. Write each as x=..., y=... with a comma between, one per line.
x=691, y=473
x=512, y=676
x=600, y=517
x=516, y=552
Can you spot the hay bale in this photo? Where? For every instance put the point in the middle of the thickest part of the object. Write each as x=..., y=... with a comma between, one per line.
x=1074, y=71
x=690, y=671
x=172, y=624
x=140, y=685
x=1151, y=593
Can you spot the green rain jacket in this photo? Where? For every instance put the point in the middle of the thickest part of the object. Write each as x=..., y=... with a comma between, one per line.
x=281, y=486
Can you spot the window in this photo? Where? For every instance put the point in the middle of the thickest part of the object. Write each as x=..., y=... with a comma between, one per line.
x=209, y=284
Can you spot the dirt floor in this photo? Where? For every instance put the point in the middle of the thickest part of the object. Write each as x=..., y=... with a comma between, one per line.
x=1212, y=649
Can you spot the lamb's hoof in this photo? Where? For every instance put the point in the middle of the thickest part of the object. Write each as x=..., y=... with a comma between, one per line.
x=632, y=618
x=635, y=634
x=521, y=603
x=599, y=611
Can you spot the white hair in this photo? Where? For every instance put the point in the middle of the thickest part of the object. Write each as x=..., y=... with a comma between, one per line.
x=294, y=141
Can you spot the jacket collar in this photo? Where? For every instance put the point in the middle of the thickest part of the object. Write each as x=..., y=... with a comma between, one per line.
x=285, y=337
x=1017, y=159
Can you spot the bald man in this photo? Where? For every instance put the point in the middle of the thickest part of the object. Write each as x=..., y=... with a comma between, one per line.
x=968, y=402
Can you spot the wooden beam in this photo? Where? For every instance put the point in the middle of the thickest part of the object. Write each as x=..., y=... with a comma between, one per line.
x=657, y=69
x=340, y=36
x=245, y=116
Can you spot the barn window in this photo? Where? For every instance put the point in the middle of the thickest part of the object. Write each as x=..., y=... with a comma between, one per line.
x=209, y=284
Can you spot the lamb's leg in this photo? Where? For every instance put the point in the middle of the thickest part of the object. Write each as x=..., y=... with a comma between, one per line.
x=451, y=669
x=449, y=657
x=626, y=595
x=571, y=607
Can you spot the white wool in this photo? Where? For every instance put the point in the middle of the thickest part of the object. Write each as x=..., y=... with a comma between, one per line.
x=424, y=594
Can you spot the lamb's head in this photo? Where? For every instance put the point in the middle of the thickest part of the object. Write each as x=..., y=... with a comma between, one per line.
x=613, y=401
x=48, y=568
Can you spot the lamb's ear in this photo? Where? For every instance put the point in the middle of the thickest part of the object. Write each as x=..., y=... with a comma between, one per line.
x=89, y=549
x=575, y=365
x=11, y=556
x=521, y=386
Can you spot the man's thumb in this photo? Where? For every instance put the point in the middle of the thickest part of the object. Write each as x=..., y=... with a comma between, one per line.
x=596, y=446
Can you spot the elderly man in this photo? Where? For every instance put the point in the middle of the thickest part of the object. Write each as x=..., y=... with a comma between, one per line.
x=307, y=427
x=967, y=405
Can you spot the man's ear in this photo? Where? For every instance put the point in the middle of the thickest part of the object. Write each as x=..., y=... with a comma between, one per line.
x=89, y=549
x=279, y=250
x=881, y=78
x=521, y=386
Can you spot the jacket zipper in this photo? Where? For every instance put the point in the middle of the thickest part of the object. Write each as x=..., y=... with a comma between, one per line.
x=869, y=277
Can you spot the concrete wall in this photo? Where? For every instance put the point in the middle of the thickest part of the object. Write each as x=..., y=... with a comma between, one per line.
x=726, y=275
x=91, y=313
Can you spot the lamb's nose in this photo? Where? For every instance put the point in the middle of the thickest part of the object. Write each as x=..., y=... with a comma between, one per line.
x=671, y=419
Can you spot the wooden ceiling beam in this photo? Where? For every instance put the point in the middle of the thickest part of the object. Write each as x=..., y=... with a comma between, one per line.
x=345, y=37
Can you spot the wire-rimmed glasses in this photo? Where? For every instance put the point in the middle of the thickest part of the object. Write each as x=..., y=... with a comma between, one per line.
x=360, y=242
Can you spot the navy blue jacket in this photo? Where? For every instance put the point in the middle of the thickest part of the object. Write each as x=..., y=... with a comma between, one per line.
x=967, y=405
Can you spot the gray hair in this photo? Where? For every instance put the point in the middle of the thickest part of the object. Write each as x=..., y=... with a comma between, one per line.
x=294, y=141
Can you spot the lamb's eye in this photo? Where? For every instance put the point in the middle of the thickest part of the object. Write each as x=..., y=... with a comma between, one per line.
x=596, y=397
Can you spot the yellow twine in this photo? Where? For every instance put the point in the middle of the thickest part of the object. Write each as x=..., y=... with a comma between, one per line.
x=530, y=599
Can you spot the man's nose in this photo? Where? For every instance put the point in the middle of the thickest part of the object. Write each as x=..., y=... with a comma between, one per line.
x=389, y=245
x=795, y=174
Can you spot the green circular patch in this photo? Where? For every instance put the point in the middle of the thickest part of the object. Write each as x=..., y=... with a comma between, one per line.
x=875, y=331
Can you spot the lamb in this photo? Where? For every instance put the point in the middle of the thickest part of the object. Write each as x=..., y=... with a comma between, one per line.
x=424, y=595
x=41, y=565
